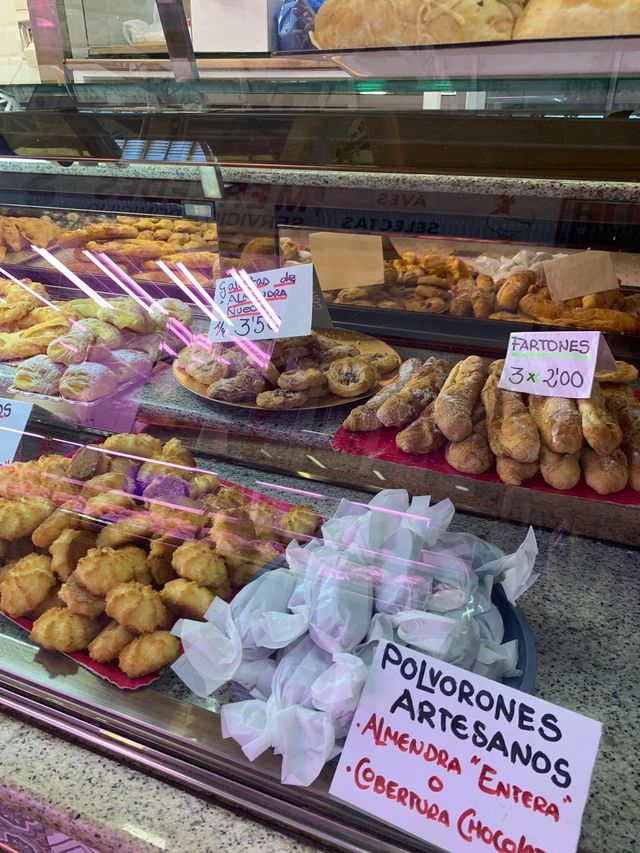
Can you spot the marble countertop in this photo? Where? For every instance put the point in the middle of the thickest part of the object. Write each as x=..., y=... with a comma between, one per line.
x=582, y=614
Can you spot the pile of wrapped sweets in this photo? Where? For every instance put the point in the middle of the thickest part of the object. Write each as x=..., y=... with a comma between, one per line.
x=300, y=639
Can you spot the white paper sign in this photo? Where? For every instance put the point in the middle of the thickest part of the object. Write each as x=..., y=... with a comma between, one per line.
x=555, y=364
x=263, y=306
x=463, y=762
x=13, y=419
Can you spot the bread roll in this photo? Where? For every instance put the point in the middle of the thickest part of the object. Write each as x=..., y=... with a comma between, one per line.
x=600, y=428
x=472, y=455
x=511, y=428
x=559, y=422
x=391, y=23
x=514, y=288
x=514, y=473
x=560, y=470
x=455, y=404
x=605, y=474
x=421, y=436
x=629, y=419
x=575, y=18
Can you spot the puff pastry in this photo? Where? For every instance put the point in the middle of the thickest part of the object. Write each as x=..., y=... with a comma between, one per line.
x=39, y=375
x=87, y=382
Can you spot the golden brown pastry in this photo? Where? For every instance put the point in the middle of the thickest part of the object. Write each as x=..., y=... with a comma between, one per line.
x=124, y=313
x=601, y=320
x=511, y=429
x=472, y=455
x=267, y=520
x=456, y=401
x=159, y=559
x=605, y=474
x=300, y=522
x=392, y=23
x=83, y=307
x=601, y=429
x=351, y=377
x=401, y=408
x=65, y=517
x=64, y=631
x=51, y=600
x=80, y=600
x=242, y=387
x=512, y=291
x=31, y=341
x=191, y=260
x=136, y=606
x=302, y=379
x=26, y=585
x=164, y=309
x=203, y=484
x=514, y=473
x=543, y=19
x=87, y=382
x=39, y=375
x=70, y=547
x=197, y=561
x=145, y=446
x=623, y=373
x=629, y=419
x=132, y=250
x=103, y=331
x=110, y=231
x=103, y=482
x=22, y=516
x=421, y=436
x=279, y=400
x=483, y=303
x=109, y=643
x=560, y=470
x=559, y=422
x=104, y=568
x=364, y=418
x=508, y=317
x=185, y=599
x=149, y=653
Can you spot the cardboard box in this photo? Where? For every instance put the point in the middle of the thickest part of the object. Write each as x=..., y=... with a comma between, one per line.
x=234, y=26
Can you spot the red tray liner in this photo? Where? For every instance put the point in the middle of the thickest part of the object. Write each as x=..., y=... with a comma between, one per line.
x=382, y=445
x=110, y=672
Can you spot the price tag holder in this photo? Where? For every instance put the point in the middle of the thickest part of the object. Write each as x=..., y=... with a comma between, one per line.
x=463, y=762
x=555, y=364
x=14, y=415
x=263, y=306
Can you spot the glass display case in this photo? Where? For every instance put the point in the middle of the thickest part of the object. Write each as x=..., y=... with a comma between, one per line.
x=161, y=474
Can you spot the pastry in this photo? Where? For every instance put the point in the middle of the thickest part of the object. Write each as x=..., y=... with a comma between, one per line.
x=483, y=303
x=421, y=436
x=623, y=373
x=559, y=423
x=106, y=332
x=279, y=400
x=401, y=408
x=80, y=600
x=185, y=599
x=300, y=522
x=302, y=379
x=472, y=455
x=72, y=348
x=383, y=362
x=600, y=428
x=129, y=364
x=601, y=320
x=159, y=559
x=104, y=568
x=191, y=260
x=124, y=313
x=136, y=606
x=87, y=382
x=83, y=307
x=559, y=470
x=164, y=310
x=64, y=518
x=132, y=250
x=605, y=474
x=344, y=24
x=198, y=562
x=544, y=19
x=514, y=473
x=148, y=654
x=31, y=341
x=26, y=584
x=98, y=484
x=364, y=418
x=511, y=429
x=351, y=377
x=140, y=446
x=64, y=631
x=39, y=375
x=22, y=516
x=109, y=643
x=512, y=291
x=110, y=231
x=629, y=419
x=70, y=547
x=458, y=397
x=134, y=527
x=87, y=463
x=203, y=484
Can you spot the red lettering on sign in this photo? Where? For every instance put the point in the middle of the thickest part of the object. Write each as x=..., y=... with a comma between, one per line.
x=509, y=791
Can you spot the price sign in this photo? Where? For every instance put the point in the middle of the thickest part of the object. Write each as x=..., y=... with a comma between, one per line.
x=464, y=762
x=263, y=306
x=13, y=419
x=555, y=364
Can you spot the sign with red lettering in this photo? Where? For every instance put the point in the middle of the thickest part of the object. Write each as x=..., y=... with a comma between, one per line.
x=463, y=762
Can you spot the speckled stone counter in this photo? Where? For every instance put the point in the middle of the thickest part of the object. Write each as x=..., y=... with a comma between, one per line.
x=583, y=612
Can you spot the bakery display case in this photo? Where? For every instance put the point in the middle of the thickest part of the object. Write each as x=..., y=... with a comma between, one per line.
x=196, y=535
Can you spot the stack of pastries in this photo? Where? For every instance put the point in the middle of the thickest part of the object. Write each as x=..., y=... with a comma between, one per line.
x=106, y=550
x=95, y=349
x=300, y=371
x=438, y=284
x=140, y=243
x=462, y=409
x=19, y=233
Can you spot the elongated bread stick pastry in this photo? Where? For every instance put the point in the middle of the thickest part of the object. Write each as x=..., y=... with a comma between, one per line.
x=605, y=474
x=514, y=473
x=421, y=436
x=364, y=418
x=472, y=455
x=460, y=393
x=511, y=429
x=629, y=418
x=559, y=423
x=406, y=405
x=600, y=428
x=560, y=470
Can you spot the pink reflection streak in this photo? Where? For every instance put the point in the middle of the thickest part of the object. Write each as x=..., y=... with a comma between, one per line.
x=28, y=289
x=68, y=346
x=103, y=265
x=56, y=263
x=244, y=282
x=203, y=293
x=183, y=287
x=168, y=349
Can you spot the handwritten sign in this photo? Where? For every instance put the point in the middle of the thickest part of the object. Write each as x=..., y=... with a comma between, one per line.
x=263, y=306
x=555, y=364
x=347, y=260
x=13, y=419
x=463, y=762
x=579, y=275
